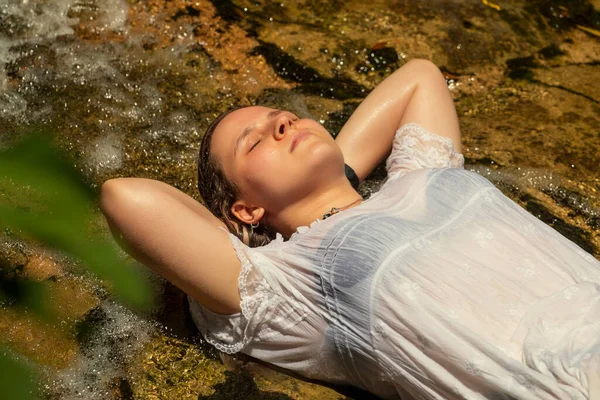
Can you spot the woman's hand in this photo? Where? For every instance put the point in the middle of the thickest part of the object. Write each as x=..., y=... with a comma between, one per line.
x=417, y=93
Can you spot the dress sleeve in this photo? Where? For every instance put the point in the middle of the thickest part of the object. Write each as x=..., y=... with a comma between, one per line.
x=415, y=148
x=260, y=301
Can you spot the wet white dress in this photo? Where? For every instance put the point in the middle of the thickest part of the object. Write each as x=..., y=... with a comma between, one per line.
x=437, y=287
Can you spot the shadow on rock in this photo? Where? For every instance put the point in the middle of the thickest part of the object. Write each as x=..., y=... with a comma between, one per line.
x=241, y=385
x=173, y=313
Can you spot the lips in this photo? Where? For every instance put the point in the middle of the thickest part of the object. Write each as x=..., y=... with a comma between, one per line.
x=297, y=138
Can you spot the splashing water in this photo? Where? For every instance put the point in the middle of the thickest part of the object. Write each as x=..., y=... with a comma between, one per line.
x=96, y=92
x=26, y=26
x=518, y=180
x=111, y=335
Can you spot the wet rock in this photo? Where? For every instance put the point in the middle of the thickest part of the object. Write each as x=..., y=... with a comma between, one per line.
x=551, y=51
x=130, y=86
x=577, y=203
x=575, y=79
x=312, y=82
x=573, y=233
x=40, y=267
x=380, y=59
x=12, y=257
x=72, y=297
x=187, y=11
x=228, y=11
x=170, y=368
x=567, y=14
x=285, y=100
x=108, y=337
x=42, y=342
x=520, y=67
x=337, y=119
x=173, y=314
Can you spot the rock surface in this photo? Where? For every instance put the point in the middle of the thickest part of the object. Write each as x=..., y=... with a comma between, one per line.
x=129, y=87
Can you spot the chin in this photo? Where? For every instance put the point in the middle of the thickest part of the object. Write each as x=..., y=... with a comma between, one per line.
x=323, y=153
x=325, y=164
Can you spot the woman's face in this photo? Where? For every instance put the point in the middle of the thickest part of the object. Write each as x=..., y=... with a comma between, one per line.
x=274, y=157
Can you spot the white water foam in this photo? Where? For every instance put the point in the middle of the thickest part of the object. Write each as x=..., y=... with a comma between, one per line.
x=117, y=336
x=27, y=24
x=27, y=21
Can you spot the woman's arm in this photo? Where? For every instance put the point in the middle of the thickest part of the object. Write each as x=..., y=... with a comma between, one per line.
x=417, y=93
x=175, y=236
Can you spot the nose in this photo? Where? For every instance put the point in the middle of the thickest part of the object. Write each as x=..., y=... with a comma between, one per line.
x=282, y=126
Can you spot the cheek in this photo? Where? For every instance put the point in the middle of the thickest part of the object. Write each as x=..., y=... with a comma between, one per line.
x=316, y=127
x=261, y=169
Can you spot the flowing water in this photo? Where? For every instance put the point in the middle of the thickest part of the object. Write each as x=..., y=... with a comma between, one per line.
x=128, y=87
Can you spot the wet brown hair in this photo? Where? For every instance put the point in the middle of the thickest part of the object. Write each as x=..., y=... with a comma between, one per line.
x=219, y=193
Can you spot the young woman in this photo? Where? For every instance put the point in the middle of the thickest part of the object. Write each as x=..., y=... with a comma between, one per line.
x=436, y=287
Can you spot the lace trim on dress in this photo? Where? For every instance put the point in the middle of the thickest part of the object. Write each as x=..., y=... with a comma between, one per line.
x=303, y=229
x=198, y=311
x=237, y=328
x=415, y=147
x=246, y=302
x=425, y=134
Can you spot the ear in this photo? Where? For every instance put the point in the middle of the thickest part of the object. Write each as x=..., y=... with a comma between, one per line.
x=247, y=213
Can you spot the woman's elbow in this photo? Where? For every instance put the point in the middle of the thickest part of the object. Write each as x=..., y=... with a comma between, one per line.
x=107, y=194
x=115, y=195
x=421, y=64
x=421, y=69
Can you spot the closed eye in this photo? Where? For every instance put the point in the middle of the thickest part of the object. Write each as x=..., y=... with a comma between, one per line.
x=253, y=146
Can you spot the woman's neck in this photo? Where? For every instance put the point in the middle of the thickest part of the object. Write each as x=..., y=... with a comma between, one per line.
x=307, y=210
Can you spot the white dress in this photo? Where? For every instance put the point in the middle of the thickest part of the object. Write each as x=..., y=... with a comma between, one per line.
x=437, y=287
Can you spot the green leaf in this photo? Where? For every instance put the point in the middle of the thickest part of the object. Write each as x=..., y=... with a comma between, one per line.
x=60, y=221
x=34, y=162
x=127, y=283
x=17, y=381
x=33, y=295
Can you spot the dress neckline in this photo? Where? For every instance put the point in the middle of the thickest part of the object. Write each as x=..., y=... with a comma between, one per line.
x=303, y=229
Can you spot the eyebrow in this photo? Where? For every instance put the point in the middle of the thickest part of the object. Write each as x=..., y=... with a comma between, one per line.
x=249, y=129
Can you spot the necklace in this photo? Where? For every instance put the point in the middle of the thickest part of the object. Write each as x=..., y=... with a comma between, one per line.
x=335, y=210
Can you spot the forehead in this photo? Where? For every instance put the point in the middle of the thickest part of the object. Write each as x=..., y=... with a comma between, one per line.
x=238, y=120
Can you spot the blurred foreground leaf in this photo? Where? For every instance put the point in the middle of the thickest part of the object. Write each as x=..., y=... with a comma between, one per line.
x=66, y=203
x=16, y=379
x=31, y=294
